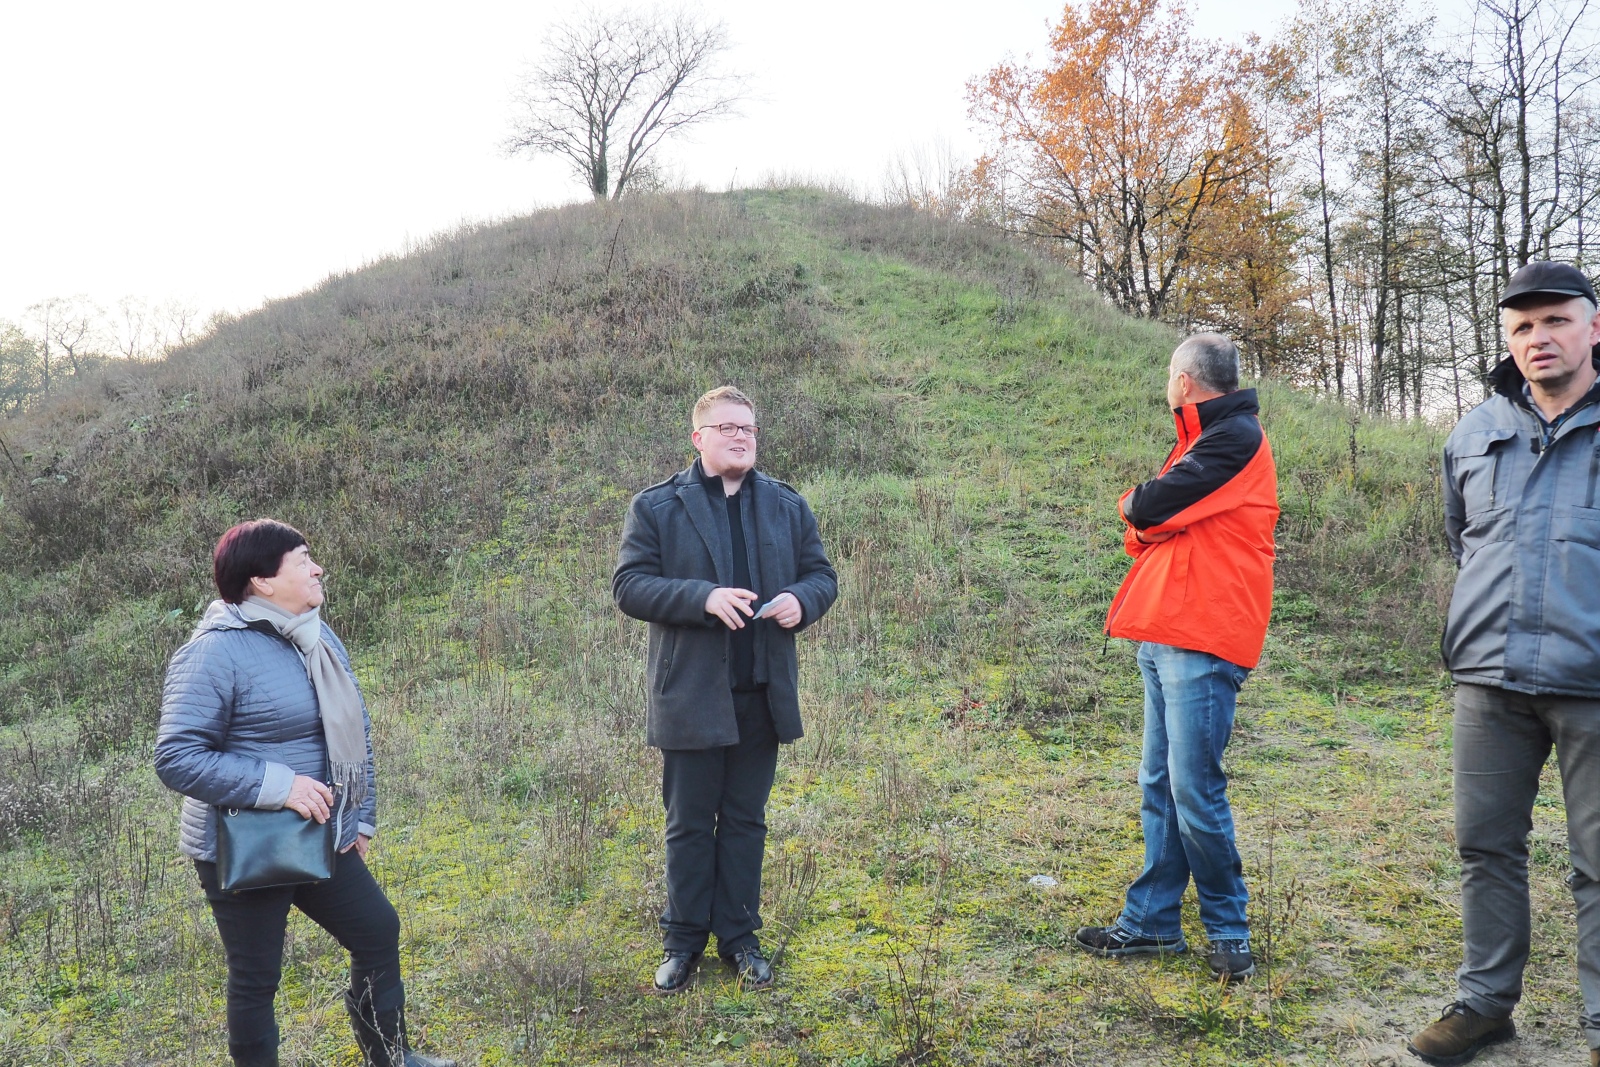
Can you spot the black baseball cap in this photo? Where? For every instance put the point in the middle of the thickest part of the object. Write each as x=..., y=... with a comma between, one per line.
x=1546, y=278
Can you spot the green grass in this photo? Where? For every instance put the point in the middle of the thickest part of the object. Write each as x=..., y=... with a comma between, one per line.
x=459, y=434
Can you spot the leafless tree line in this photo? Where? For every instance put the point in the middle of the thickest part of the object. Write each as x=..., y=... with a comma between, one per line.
x=1435, y=162
x=1376, y=176
x=63, y=337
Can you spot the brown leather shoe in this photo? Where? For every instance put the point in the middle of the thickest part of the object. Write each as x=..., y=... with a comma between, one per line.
x=1459, y=1035
x=1594, y=1057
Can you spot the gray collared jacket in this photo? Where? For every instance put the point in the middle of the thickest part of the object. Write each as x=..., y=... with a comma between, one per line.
x=676, y=548
x=1521, y=516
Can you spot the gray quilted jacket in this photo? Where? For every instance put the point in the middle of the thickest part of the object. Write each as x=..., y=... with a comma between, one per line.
x=239, y=719
x=1521, y=516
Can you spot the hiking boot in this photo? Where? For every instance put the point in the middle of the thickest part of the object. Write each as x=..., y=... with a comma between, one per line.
x=1459, y=1035
x=1231, y=960
x=382, y=1037
x=1115, y=941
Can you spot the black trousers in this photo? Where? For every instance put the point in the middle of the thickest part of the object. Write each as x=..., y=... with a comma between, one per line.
x=716, y=801
x=350, y=906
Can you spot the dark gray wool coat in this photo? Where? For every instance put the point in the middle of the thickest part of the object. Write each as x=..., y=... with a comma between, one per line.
x=676, y=548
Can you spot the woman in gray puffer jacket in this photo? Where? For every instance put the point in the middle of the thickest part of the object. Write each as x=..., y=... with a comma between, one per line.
x=261, y=710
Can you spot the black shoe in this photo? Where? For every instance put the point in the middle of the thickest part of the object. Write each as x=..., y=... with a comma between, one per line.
x=1115, y=941
x=753, y=969
x=1458, y=1036
x=1231, y=959
x=675, y=971
x=382, y=1036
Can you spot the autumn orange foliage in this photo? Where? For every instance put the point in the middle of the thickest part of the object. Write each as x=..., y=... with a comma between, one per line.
x=1139, y=153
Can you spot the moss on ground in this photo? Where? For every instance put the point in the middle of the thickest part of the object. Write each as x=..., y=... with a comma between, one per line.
x=962, y=415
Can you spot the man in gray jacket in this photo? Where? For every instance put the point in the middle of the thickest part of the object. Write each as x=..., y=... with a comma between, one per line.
x=1523, y=644
x=726, y=565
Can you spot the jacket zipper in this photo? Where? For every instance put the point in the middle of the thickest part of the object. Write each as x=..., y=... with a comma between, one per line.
x=1594, y=471
x=1179, y=450
x=338, y=814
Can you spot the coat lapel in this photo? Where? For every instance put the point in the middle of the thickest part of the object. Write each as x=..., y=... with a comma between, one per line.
x=698, y=506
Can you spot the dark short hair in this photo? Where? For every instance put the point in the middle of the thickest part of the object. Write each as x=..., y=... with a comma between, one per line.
x=252, y=549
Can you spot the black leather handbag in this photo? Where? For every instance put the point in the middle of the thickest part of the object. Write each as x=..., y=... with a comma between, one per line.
x=261, y=849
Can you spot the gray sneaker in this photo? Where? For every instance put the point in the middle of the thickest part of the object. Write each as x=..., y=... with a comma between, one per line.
x=1231, y=959
x=1115, y=941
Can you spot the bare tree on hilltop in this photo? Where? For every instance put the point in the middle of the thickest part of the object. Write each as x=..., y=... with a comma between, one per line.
x=611, y=85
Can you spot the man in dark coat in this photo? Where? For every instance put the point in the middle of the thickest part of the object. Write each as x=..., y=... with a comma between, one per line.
x=726, y=565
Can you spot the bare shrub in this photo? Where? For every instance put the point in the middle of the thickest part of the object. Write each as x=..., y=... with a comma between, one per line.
x=534, y=980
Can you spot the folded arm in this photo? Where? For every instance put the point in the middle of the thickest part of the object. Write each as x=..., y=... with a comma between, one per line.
x=1190, y=489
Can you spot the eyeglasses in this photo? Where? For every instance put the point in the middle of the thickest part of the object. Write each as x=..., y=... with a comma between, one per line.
x=729, y=429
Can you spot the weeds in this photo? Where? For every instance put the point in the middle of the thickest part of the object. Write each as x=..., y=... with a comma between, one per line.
x=791, y=883
x=459, y=432
x=537, y=980
x=1279, y=909
x=918, y=1013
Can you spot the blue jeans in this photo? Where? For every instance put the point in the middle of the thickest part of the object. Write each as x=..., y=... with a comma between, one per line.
x=1188, y=828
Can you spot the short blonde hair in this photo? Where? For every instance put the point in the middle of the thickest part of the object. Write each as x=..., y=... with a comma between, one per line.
x=722, y=394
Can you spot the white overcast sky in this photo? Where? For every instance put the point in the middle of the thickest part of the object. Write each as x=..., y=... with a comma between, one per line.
x=225, y=154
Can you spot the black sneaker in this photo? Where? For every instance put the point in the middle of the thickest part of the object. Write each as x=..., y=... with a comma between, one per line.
x=1231, y=960
x=1115, y=941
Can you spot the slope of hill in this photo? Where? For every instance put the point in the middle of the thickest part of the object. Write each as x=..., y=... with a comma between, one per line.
x=459, y=432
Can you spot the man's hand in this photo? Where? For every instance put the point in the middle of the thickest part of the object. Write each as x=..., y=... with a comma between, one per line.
x=1143, y=537
x=310, y=798
x=727, y=604
x=785, y=610
x=360, y=844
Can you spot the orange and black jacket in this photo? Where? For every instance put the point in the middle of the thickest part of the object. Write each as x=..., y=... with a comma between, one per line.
x=1209, y=588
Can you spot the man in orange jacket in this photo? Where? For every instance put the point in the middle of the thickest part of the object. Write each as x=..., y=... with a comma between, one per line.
x=1197, y=598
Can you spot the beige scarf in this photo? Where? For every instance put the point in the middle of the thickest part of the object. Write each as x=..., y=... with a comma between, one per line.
x=343, y=724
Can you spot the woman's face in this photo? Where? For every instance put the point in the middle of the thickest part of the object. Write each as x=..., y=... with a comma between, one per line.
x=297, y=587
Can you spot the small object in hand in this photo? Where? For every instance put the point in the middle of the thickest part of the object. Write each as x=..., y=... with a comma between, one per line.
x=766, y=610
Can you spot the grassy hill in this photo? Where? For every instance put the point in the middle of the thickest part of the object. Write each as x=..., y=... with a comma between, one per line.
x=459, y=431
